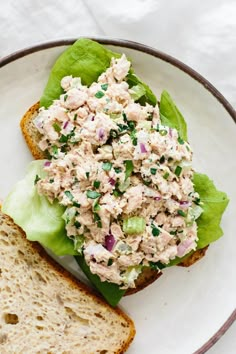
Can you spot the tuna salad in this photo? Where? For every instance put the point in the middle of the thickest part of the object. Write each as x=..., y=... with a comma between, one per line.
x=124, y=179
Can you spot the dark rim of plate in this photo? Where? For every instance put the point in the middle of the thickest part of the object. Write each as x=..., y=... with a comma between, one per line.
x=169, y=59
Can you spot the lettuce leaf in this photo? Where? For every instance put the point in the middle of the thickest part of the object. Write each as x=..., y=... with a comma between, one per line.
x=171, y=116
x=41, y=220
x=147, y=94
x=214, y=205
x=111, y=292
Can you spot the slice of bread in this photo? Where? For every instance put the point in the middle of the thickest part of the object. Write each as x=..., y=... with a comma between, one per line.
x=43, y=309
x=32, y=138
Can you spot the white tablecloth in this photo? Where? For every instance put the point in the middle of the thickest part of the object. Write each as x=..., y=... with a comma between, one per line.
x=200, y=33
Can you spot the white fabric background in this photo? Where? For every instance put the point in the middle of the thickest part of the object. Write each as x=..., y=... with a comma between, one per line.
x=200, y=33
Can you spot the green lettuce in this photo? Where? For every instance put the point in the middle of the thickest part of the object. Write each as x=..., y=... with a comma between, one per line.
x=214, y=205
x=171, y=116
x=111, y=292
x=41, y=220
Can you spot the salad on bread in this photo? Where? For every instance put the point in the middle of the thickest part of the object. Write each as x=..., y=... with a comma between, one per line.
x=115, y=186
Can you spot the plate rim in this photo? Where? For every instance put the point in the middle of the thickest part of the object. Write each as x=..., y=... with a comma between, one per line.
x=167, y=58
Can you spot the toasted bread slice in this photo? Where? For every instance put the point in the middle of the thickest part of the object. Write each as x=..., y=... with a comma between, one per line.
x=45, y=310
x=32, y=138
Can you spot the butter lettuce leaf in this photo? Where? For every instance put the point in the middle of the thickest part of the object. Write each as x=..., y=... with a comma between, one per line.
x=171, y=116
x=147, y=95
x=41, y=220
x=111, y=292
x=214, y=205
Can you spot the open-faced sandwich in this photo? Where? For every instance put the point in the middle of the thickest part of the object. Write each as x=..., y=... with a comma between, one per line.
x=114, y=183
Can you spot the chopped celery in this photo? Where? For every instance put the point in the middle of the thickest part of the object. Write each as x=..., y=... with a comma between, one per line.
x=134, y=225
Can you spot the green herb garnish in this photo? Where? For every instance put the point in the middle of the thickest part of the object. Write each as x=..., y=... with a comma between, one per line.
x=178, y=171
x=87, y=175
x=153, y=171
x=104, y=87
x=117, y=169
x=37, y=178
x=110, y=262
x=96, y=184
x=180, y=140
x=69, y=195
x=181, y=213
x=77, y=224
x=99, y=94
x=113, y=133
x=162, y=159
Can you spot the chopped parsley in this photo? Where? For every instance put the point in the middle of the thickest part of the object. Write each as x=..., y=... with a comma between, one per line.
x=65, y=98
x=77, y=224
x=162, y=159
x=87, y=175
x=69, y=195
x=180, y=140
x=37, y=178
x=124, y=117
x=178, y=171
x=75, y=116
x=181, y=213
x=104, y=87
x=99, y=94
x=96, y=184
x=113, y=133
x=155, y=230
x=110, y=262
x=117, y=169
x=153, y=171
x=97, y=219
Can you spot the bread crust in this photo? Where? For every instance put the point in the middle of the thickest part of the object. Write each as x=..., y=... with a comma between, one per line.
x=32, y=137
x=74, y=282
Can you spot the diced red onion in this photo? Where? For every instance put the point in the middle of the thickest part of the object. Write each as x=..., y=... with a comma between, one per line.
x=183, y=247
x=109, y=242
x=112, y=181
x=92, y=119
x=47, y=163
x=65, y=124
x=157, y=198
x=101, y=133
x=142, y=148
x=184, y=203
x=170, y=132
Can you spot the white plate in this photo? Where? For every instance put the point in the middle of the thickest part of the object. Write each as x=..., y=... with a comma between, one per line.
x=186, y=307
